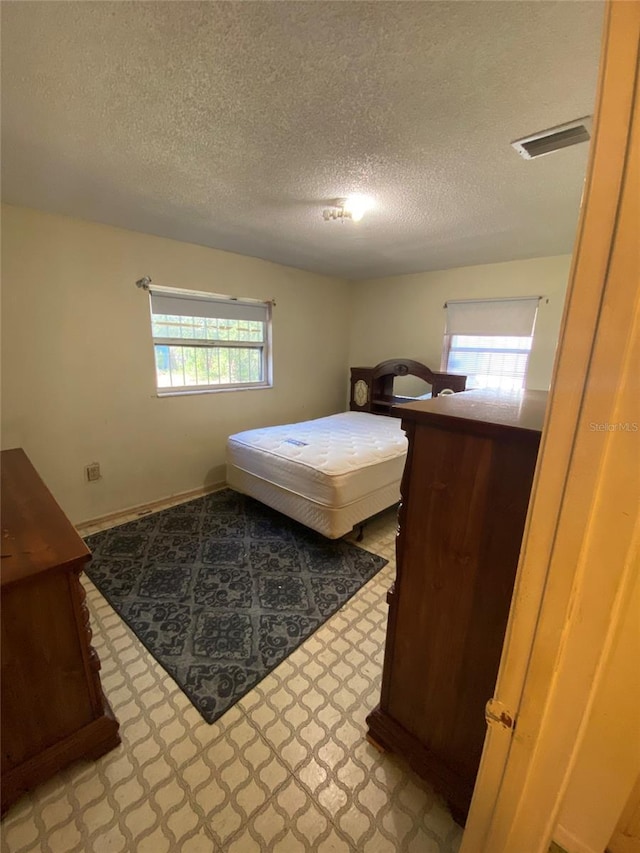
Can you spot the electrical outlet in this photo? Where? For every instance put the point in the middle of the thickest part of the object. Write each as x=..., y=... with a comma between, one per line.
x=93, y=472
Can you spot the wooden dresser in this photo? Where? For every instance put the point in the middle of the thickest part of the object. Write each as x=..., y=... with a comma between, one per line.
x=465, y=493
x=53, y=708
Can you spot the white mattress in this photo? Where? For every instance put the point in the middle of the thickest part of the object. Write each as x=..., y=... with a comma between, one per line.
x=329, y=473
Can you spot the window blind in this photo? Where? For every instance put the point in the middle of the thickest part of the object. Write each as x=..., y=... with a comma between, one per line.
x=504, y=317
x=169, y=303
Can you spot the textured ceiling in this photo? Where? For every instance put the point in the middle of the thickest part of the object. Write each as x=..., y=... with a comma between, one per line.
x=232, y=124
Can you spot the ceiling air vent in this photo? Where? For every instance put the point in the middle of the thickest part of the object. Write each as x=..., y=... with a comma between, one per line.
x=554, y=139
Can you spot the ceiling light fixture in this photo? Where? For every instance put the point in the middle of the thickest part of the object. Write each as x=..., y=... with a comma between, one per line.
x=353, y=207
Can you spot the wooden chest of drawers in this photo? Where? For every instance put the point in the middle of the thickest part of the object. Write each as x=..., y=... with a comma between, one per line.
x=465, y=493
x=53, y=708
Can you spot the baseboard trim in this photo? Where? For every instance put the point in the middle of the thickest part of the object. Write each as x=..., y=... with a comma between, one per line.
x=568, y=843
x=143, y=509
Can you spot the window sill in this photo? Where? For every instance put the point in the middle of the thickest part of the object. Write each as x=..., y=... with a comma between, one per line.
x=190, y=392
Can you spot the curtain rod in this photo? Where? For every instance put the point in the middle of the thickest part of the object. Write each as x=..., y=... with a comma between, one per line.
x=145, y=283
x=494, y=299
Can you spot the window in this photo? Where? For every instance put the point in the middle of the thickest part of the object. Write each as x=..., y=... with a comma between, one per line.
x=204, y=342
x=490, y=341
x=490, y=362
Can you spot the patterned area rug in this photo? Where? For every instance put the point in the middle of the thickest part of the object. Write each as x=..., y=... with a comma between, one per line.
x=221, y=589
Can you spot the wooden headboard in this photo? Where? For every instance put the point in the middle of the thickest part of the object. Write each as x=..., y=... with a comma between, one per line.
x=372, y=387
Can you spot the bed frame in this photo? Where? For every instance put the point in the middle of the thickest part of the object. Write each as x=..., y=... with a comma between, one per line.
x=379, y=384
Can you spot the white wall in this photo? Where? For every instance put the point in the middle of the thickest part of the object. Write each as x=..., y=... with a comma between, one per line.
x=403, y=316
x=77, y=362
x=78, y=379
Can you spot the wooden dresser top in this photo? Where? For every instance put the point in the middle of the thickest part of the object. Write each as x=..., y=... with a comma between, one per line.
x=36, y=534
x=480, y=411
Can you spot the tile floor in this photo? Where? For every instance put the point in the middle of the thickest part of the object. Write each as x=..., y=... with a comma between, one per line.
x=287, y=769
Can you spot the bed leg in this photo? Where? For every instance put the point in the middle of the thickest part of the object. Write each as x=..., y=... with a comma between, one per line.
x=360, y=535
